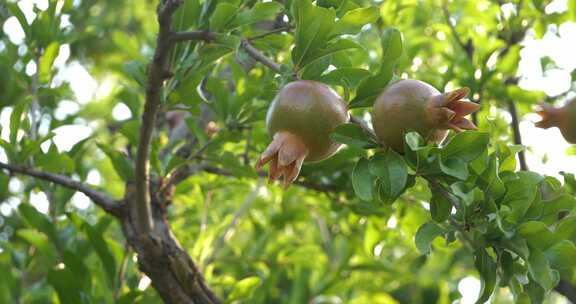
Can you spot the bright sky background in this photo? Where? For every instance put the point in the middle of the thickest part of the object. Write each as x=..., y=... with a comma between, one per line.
x=558, y=44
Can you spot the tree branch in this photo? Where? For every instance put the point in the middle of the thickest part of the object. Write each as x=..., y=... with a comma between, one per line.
x=274, y=31
x=99, y=198
x=517, y=134
x=467, y=48
x=193, y=169
x=193, y=35
x=254, y=53
x=157, y=71
x=244, y=44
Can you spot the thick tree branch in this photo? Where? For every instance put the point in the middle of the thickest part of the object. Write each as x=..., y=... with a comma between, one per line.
x=99, y=198
x=157, y=71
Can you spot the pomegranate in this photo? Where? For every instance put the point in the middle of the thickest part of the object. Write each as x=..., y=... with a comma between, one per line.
x=413, y=105
x=300, y=119
x=564, y=118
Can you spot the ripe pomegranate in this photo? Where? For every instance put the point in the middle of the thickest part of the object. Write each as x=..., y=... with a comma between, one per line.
x=413, y=105
x=300, y=120
x=564, y=118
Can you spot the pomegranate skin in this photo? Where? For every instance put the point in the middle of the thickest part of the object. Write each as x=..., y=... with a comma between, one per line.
x=300, y=120
x=310, y=110
x=413, y=105
x=564, y=118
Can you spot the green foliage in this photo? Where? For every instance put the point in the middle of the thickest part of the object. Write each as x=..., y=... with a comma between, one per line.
x=368, y=225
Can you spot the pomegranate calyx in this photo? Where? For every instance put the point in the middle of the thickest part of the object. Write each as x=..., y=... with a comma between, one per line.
x=549, y=115
x=458, y=108
x=286, y=154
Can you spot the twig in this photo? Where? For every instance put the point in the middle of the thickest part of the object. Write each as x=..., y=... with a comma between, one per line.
x=360, y=122
x=192, y=35
x=468, y=49
x=35, y=106
x=274, y=31
x=191, y=170
x=258, y=56
x=99, y=198
x=246, y=155
x=122, y=271
x=517, y=134
x=157, y=71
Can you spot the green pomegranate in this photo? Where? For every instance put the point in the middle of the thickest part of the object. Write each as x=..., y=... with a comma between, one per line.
x=413, y=105
x=564, y=118
x=300, y=120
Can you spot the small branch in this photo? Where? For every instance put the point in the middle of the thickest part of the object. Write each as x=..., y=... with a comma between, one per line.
x=274, y=31
x=246, y=155
x=35, y=105
x=157, y=71
x=443, y=191
x=360, y=122
x=258, y=56
x=467, y=48
x=99, y=198
x=193, y=35
x=122, y=271
x=191, y=170
x=517, y=134
x=244, y=43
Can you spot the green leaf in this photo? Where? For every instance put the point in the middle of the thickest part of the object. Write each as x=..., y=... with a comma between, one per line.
x=552, y=208
x=55, y=161
x=490, y=180
x=562, y=257
x=330, y=48
x=18, y=113
x=342, y=76
x=455, y=167
x=520, y=193
x=245, y=288
x=466, y=146
x=353, y=21
x=425, y=235
x=76, y=265
x=352, y=135
x=440, y=207
x=487, y=269
x=566, y=228
x=137, y=70
x=537, y=235
x=370, y=88
x=100, y=246
x=259, y=12
x=223, y=15
x=67, y=286
x=39, y=221
x=540, y=270
x=313, y=26
x=4, y=180
x=15, y=10
x=46, y=62
x=392, y=173
x=362, y=180
x=122, y=165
